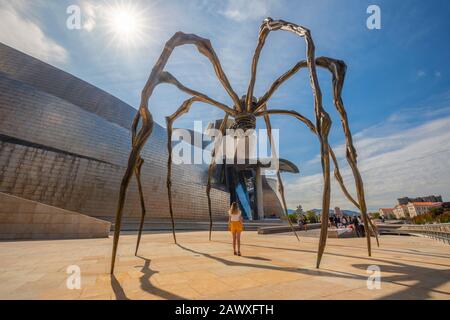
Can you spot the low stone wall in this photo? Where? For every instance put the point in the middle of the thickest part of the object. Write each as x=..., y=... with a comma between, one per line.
x=341, y=233
x=22, y=219
x=286, y=228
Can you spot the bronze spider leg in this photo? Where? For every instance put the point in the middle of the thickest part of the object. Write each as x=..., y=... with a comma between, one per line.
x=140, y=138
x=166, y=77
x=324, y=234
x=280, y=181
x=339, y=179
x=137, y=145
x=337, y=173
x=262, y=102
x=337, y=68
x=137, y=170
x=212, y=166
x=185, y=107
x=323, y=120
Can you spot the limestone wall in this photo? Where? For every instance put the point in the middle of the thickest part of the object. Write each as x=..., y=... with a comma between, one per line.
x=22, y=219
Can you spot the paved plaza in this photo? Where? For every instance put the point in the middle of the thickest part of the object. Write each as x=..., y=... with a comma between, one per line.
x=272, y=267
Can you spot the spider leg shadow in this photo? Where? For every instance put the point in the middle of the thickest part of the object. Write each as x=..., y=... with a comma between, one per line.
x=147, y=286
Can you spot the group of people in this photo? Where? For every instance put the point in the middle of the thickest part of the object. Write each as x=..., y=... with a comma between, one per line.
x=302, y=223
x=354, y=222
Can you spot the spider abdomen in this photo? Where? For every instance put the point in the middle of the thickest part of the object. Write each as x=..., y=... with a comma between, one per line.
x=244, y=121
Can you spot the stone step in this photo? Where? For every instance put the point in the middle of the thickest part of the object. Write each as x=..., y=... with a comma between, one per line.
x=132, y=224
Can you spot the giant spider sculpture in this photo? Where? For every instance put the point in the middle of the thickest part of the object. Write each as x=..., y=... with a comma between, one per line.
x=245, y=111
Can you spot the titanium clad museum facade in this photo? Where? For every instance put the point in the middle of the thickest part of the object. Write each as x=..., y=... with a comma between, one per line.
x=65, y=143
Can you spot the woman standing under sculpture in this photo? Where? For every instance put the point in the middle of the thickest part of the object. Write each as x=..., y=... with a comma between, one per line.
x=235, y=226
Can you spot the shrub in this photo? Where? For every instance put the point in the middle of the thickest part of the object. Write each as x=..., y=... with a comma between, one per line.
x=437, y=211
x=311, y=217
x=444, y=217
x=423, y=218
x=432, y=216
x=293, y=217
x=375, y=215
x=391, y=216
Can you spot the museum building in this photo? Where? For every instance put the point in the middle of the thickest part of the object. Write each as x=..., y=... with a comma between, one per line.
x=65, y=143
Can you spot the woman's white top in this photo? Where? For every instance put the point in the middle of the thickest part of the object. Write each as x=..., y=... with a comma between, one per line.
x=235, y=217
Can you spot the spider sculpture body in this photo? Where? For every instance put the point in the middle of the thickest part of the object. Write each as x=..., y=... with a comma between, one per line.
x=244, y=112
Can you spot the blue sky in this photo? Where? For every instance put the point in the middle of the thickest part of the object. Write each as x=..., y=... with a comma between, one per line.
x=397, y=92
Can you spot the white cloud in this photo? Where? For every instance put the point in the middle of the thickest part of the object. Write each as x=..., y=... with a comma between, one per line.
x=394, y=161
x=421, y=73
x=21, y=33
x=89, y=14
x=241, y=10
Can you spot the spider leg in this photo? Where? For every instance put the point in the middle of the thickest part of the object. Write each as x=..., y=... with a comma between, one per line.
x=325, y=163
x=324, y=63
x=169, y=120
x=339, y=179
x=137, y=172
x=211, y=168
x=277, y=83
x=185, y=107
x=323, y=120
x=280, y=181
x=337, y=69
x=157, y=75
x=166, y=77
x=139, y=138
x=337, y=173
x=204, y=47
x=138, y=143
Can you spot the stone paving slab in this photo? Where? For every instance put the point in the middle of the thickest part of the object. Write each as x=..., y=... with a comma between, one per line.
x=272, y=267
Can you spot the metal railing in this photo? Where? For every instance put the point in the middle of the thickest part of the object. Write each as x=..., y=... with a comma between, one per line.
x=440, y=232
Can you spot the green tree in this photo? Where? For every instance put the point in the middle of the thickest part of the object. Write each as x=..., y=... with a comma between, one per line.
x=299, y=210
x=311, y=216
x=293, y=217
x=375, y=215
x=444, y=218
x=391, y=216
x=437, y=211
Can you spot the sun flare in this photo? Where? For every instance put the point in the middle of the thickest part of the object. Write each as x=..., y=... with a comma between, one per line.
x=126, y=23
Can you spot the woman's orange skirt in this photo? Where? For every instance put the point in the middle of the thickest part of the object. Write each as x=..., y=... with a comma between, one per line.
x=236, y=226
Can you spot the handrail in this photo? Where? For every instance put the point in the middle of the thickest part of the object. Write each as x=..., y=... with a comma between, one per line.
x=437, y=231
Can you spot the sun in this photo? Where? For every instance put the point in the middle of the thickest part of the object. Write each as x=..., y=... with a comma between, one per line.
x=126, y=23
